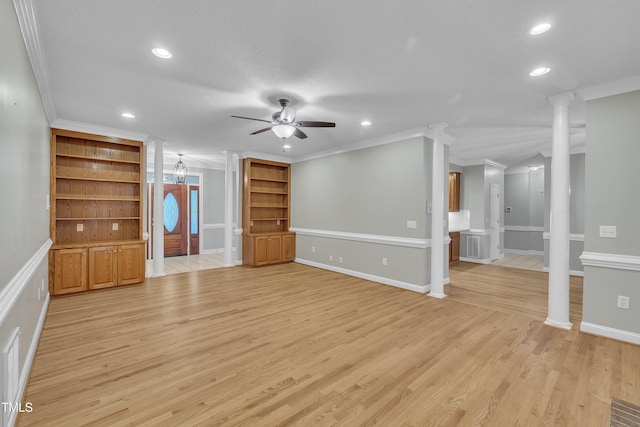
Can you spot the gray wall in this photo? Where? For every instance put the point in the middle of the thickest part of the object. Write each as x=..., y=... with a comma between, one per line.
x=213, y=208
x=524, y=194
x=576, y=207
x=475, y=196
x=24, y=141
x=611, y=180
x=373, y=191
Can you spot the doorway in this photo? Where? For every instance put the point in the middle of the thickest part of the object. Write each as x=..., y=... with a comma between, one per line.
x=181, y=213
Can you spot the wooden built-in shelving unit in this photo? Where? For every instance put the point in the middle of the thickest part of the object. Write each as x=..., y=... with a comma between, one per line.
x=96, y=212
x=266, y=213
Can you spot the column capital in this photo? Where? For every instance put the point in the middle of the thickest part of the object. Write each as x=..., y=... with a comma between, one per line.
x=438, y=128
x=563, y=99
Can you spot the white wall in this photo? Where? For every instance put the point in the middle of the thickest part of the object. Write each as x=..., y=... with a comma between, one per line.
x=24, y=144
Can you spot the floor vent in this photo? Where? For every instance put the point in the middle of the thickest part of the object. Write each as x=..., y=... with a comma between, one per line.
x=473, y=246
x=10, y=372
x=624, y=414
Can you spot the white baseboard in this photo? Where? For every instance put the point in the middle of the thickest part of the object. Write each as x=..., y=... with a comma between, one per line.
x=211, y=251
x=523, y=252
x=476, y=260
x=605, y=331
x=571, y=272
x=31, y=354
x=384, y=280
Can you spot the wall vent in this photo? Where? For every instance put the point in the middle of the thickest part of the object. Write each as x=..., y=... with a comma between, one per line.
x=473, y=246
x=10, y=373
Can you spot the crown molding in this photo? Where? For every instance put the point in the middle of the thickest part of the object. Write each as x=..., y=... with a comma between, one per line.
x=495, y=164
x=102, y=130
x=264, y=156
x=28, y=22
x=610, y=88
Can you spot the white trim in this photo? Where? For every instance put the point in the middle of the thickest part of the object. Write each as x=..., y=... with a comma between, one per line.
x=212, y=251
x=495, y=164
x=605, y=331
x=26, y=14
x=212, y=226
x=609, y=89
x=476, y=260
x=31, y=354
x=99, y=130
x=571, y=272
x=522, y=252
x=366, y=238
x=561, y=325
x=573, y=237
x=10, y=294
x=523, y=228
x=618, y=262
x=476, y=232
x=384, y=280
x=264, y=156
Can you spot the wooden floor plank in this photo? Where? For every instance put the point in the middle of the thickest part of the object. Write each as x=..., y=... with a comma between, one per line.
x=296, y=345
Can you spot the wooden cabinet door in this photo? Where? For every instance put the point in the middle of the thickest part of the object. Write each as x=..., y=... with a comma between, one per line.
x=131, y=264
x=274, y=249
x=288, y=247
x=103, y=267
x=454, y=247
x=454, y=191
x=70, y=271
x=260, y=250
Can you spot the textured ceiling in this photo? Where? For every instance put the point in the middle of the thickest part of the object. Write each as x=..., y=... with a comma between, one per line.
x=401, y=64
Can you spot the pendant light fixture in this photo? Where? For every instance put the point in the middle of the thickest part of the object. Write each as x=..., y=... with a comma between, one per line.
x=180, y=171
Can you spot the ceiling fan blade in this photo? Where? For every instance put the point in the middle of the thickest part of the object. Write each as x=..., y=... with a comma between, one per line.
x=250, y=118
x=308, y=124
x=300, y=134
x=260, y=131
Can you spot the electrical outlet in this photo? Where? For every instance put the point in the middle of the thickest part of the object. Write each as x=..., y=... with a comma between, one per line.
x=340, y=260
x=79, y=227
x=608, y=231
x=412, y=224
x=330, y=257
x=623, y=302
x=114, y=226
x=384, y=261
x=313, y=248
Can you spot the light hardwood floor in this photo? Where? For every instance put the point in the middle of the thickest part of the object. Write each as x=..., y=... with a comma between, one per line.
x=295, y=345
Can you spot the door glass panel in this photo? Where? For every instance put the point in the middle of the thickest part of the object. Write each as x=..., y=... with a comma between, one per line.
x=194, y=211
x=171, y=213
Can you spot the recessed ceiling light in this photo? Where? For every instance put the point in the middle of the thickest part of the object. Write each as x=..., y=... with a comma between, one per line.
x=128, y=115
x=286, y=146
x=539, y=71
x=365, y=123
x=161, y=53
x=539, y=29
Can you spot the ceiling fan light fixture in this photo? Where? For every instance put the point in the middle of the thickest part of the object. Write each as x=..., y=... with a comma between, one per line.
x=283, y=131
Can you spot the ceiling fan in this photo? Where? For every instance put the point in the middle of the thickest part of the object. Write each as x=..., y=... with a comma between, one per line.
x=284, y=124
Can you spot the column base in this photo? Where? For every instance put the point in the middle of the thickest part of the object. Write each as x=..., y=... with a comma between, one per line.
x=561, y=325
x=435, y=295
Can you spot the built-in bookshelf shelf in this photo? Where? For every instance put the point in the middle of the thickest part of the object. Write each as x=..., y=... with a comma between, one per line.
x=96, y=212
x=265, y=217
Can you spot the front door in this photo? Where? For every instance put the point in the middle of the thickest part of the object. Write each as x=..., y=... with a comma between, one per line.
x=175, y=219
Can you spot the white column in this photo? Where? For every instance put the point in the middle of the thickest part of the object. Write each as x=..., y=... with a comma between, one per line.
x=158, y=211
x=228, y=209
x=437, y=212
x=237, y=231
x=559, y=228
